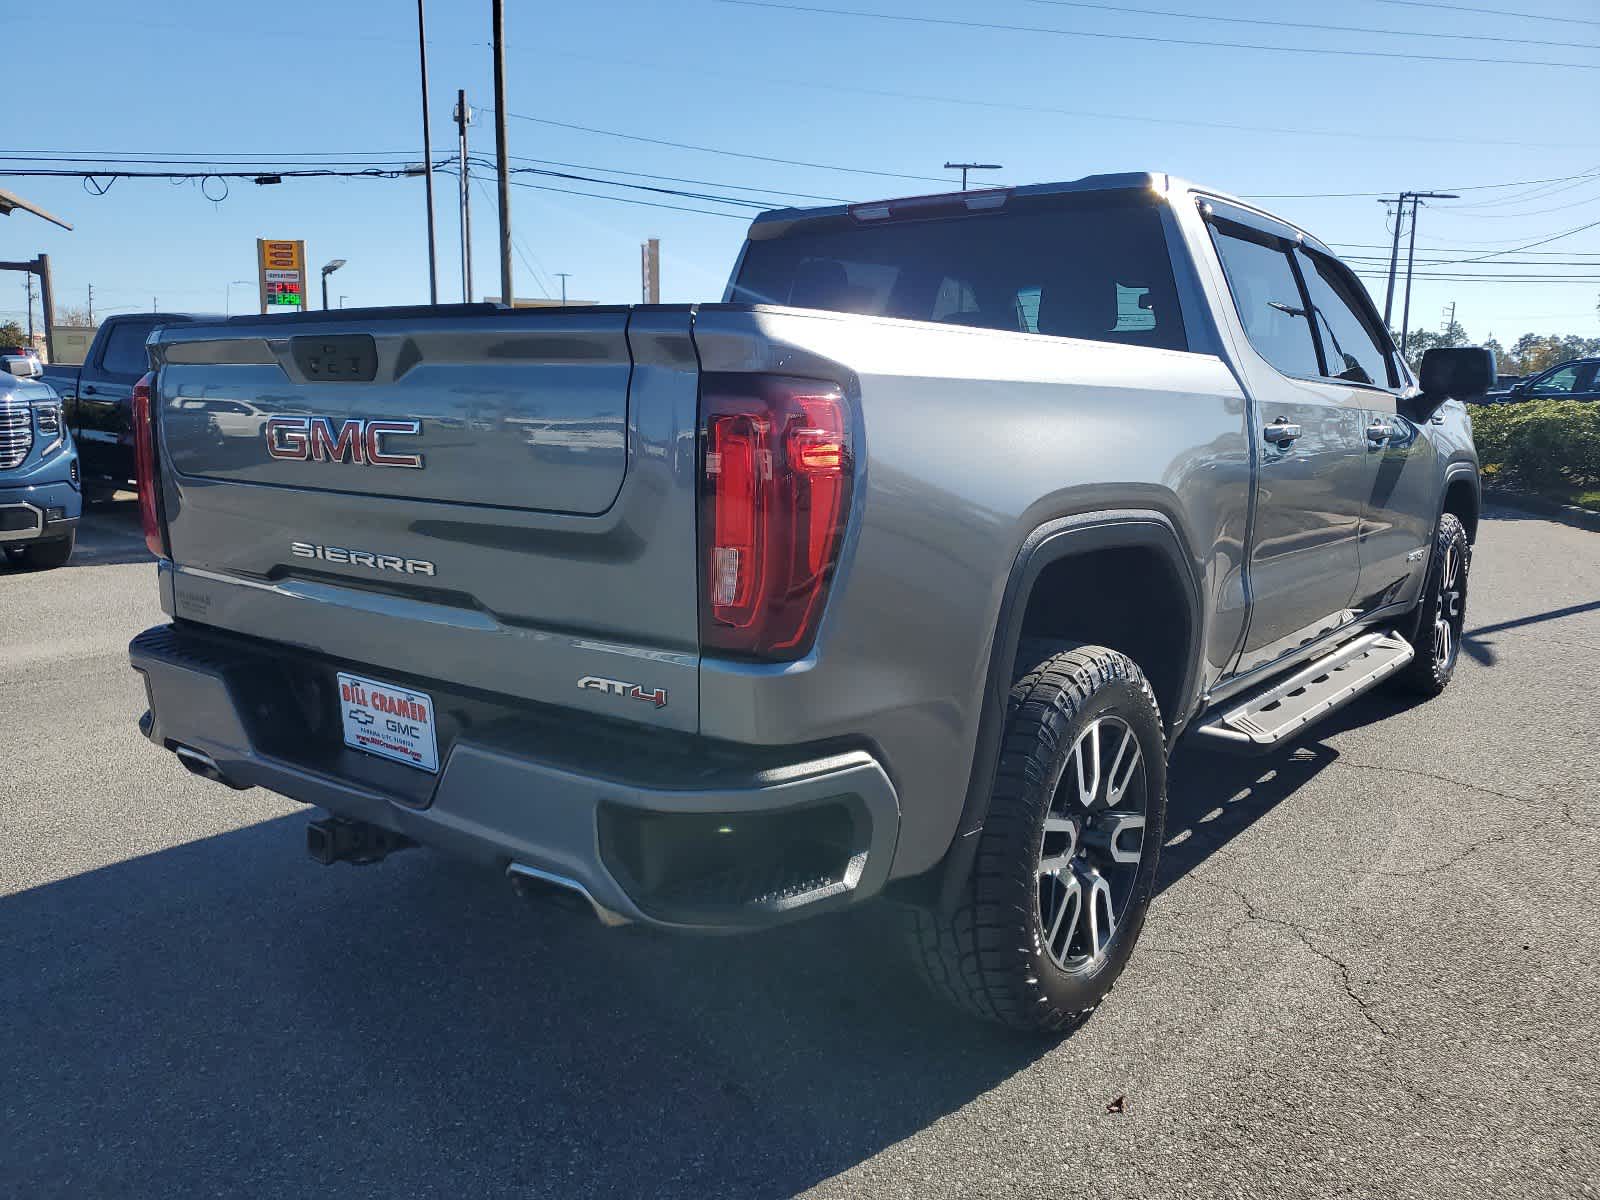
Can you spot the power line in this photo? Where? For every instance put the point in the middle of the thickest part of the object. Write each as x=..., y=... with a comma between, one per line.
x=788, y=162
x=394, y=172
x=1555, y=237
x=1529, y=212
x=834, y=85
x=1165, y=41
x=1495, y=12
x=260, y=165
x=516, y=244
x=1446, y=250
x=1431, y=35
x=1585, y=280
x=1586, y=173
x=544, y=187
x=738, y=187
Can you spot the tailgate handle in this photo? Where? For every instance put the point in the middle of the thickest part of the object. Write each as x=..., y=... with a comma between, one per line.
x=345, y=358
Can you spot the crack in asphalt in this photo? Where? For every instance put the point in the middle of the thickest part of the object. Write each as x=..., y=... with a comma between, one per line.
x=1570, y=818
x=1436, y=778
x=1252, y=913
x=1495, y=838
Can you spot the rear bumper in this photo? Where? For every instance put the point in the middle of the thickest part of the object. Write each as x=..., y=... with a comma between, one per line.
x=666, y=830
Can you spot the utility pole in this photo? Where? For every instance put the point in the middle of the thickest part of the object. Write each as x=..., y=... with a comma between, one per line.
x=27, y=282
x=463, y=115
x=1394, y=258
x=427, y=159
x=965, y=167
x=1449, y=316
x=503, y=167
x=91, y=306
x=1415, y=199
x=40, y=266
x=564, y=276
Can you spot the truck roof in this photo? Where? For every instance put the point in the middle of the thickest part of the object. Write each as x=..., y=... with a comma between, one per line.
x=777, y=222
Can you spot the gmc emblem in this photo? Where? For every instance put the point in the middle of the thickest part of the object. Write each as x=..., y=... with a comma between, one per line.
x=313, y=439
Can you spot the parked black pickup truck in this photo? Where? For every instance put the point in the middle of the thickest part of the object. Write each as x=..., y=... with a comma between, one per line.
x=97, y=397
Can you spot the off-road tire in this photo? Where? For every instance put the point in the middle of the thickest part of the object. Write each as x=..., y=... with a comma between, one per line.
x=1443, y=607
x=988, y=956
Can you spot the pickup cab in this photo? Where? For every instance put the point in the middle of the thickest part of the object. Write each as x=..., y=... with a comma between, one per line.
x=896, y=573
x=97, y=395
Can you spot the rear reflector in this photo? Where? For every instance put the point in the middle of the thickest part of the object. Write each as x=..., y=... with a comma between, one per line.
x=776, y=474
x=144, y=461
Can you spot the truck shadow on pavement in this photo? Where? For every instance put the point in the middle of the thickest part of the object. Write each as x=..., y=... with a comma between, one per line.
x=225, y=1016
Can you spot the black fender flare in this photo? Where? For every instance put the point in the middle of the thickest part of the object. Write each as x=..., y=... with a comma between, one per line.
x=1461, y=469
x=1063, y=537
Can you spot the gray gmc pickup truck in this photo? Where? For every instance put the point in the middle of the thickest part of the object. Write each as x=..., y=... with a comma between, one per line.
x=897, y=573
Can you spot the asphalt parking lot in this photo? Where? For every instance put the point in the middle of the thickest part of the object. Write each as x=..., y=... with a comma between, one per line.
x=1373, y=970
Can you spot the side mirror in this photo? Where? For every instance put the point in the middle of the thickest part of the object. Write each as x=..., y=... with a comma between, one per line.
x=1457, y=372
x=24, y=366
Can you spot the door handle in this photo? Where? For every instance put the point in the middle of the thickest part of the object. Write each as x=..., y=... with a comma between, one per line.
x=1378, y=433
x=88, y=389
x=1281, y=432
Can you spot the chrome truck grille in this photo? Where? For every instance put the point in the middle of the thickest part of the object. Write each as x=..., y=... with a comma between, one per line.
x=16, y=431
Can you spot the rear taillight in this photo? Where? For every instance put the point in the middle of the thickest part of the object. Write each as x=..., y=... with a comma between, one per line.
x=144, y=461
x=776, y=468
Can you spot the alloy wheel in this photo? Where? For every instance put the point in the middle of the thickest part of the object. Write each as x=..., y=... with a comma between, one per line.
x=1451, y=615
x=1092, y=845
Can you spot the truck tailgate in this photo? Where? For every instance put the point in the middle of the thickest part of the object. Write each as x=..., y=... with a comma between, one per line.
x=500, y=499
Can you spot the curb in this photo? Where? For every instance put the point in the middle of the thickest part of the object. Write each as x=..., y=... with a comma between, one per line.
x=1566, y=514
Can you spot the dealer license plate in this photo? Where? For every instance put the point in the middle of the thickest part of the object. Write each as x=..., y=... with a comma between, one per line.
x=388, y=720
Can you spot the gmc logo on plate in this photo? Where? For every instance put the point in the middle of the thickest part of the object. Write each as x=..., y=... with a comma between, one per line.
x=362, y=443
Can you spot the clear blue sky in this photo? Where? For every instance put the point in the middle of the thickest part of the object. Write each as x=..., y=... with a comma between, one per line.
x=283, y=80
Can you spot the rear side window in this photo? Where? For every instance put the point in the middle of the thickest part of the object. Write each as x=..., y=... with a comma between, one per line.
x=124, y=352
x=1268, y=297
x=1092, y=268
x=1352, y=347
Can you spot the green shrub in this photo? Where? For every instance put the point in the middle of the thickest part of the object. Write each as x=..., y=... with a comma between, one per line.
x=1540, y=444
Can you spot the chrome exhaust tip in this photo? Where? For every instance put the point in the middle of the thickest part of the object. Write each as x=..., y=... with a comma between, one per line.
x=529, y=881
x=198, y=762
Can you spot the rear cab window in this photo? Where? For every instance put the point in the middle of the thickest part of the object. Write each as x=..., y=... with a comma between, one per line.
x=1091, y=266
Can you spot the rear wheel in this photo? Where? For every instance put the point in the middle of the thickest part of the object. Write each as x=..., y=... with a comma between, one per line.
x=1066, y=861
x=1443, y=612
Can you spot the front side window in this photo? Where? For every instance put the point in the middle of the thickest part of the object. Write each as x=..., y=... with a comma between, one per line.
x=1352, y=348
x=1268, y=298
x=1558, y=383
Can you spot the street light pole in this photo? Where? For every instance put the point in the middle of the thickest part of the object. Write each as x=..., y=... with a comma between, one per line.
x=427, y=166
x=503, y=167
x=331, y=266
